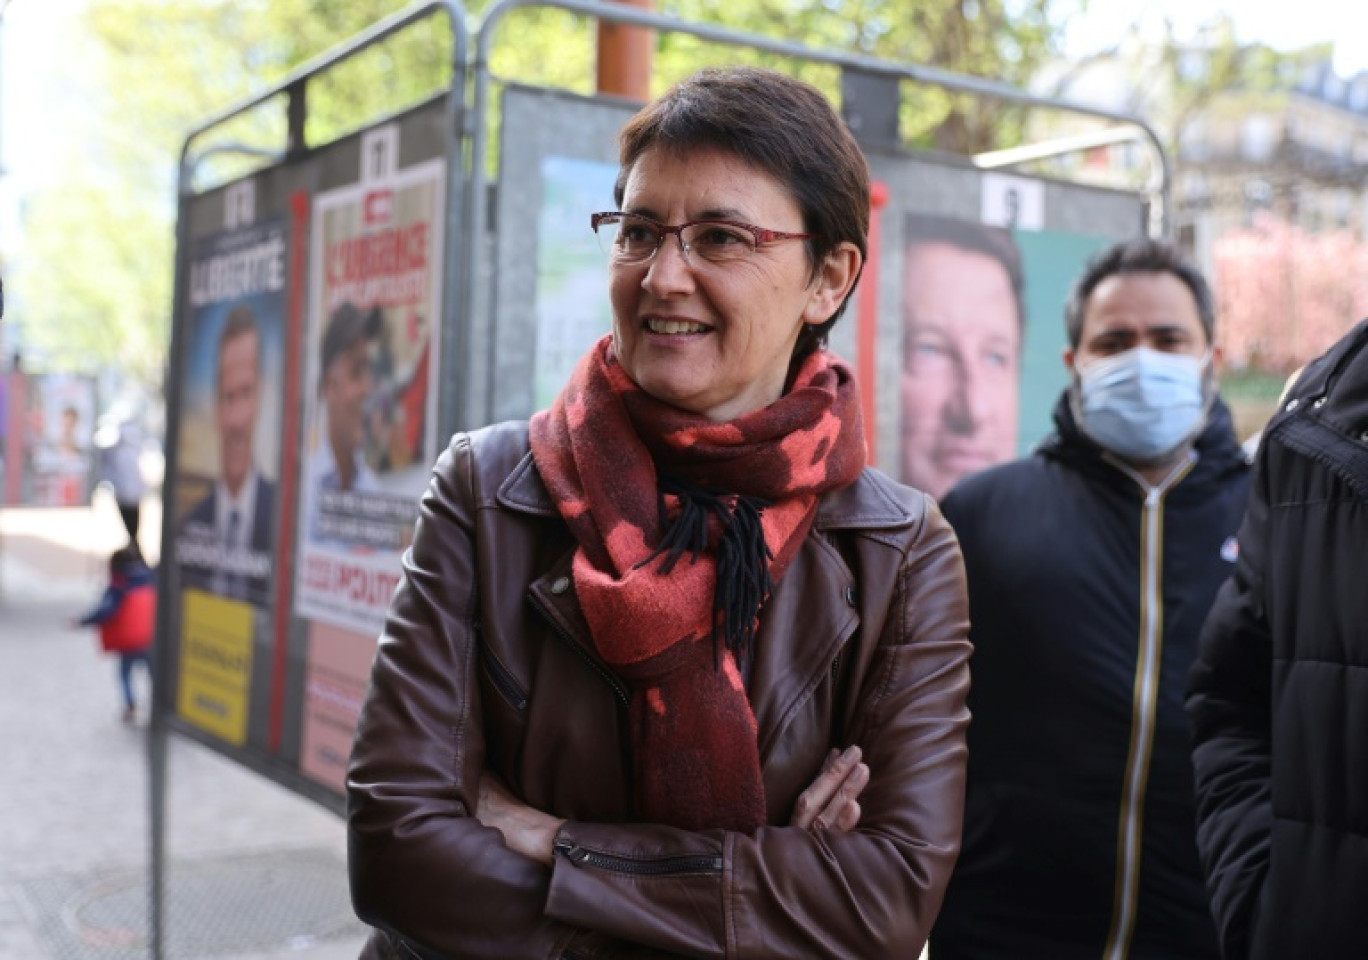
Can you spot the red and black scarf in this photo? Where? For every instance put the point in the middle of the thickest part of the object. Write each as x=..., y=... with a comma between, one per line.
x=684, y=525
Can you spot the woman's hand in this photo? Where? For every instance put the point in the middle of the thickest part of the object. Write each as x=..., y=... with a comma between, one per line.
x=831, y=803
x=525, y=829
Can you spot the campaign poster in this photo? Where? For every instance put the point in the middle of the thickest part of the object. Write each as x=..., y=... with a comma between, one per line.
x=61, y=431
x=215, y=664
x=573, y=310
x=375, y=299
x=337, y=672
x=230, y=426
x=983, y=335
x=1053, y=260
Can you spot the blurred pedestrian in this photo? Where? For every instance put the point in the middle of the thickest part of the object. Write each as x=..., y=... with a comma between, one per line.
x=121, y=467
x=1092, y=564
x=127, y=616
x=1278, y=695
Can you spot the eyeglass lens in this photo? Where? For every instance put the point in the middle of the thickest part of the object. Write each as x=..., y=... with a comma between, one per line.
x=632, y=239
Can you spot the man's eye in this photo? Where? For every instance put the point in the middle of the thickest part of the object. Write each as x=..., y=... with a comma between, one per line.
x=928, y=356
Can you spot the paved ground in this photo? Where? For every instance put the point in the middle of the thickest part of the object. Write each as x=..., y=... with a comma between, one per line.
x=254, y=872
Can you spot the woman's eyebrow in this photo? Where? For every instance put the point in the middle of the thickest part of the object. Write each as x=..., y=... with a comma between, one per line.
x=721, y=213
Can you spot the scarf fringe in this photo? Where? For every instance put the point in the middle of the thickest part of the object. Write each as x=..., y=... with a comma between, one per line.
x=743, y=581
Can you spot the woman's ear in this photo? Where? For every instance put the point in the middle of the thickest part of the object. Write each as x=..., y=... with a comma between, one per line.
x=835, y=276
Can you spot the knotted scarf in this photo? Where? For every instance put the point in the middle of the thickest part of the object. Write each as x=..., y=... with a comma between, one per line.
x=683, y=527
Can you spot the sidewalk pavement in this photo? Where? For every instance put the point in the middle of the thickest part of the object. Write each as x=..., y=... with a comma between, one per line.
x=253, y=872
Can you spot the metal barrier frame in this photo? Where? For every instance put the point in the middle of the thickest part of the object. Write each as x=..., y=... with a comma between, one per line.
x=477, y=197
x=467, y=261
x=295, y=87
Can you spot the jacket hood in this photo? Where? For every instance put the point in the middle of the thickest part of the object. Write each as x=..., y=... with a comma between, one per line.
x=1218, y=450
x=136, y=575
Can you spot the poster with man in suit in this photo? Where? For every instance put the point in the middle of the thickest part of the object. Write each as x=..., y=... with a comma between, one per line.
x=230, y=432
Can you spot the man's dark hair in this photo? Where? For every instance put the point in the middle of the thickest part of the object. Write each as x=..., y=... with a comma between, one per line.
x=777, y=124
x=126, y=558
x=1140, y=255
x=241, y=321
x=348, y=324
x=920, y=229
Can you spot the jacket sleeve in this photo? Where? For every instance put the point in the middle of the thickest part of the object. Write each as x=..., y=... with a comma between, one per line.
x=1229, y=704
x=787, y=892
x=421, y=866
x=108, y=606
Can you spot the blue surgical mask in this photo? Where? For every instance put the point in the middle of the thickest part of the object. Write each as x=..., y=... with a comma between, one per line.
x=1142, y=404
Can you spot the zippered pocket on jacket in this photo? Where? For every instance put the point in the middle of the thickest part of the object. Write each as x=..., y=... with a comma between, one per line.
x=654, y=867
x=503, y=679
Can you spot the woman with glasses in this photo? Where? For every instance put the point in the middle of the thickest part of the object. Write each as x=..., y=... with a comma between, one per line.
x=671, y=671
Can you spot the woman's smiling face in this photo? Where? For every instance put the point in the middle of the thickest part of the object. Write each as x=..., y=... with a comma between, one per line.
x=714, y=339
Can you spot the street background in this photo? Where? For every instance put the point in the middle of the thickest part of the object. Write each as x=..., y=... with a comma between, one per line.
x=253, y=872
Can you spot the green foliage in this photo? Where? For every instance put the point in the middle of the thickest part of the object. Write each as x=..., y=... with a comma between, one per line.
x=96, y=280
x=1216, y=71
x=97, y=264
x=994, y=39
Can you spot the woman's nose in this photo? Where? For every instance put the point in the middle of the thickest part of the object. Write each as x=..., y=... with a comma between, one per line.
x=669, y=273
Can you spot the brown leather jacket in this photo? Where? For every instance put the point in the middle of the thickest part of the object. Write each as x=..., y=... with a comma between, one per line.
x=486, y=662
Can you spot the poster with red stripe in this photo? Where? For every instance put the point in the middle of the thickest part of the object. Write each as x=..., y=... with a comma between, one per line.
x=371, y=349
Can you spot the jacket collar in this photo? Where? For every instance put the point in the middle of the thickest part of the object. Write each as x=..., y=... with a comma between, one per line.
x=817, y=590
x=1218, y=450
x=870, y=503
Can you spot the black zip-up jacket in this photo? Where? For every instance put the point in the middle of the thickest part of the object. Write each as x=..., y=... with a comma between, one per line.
x=1279, y=694
x=1087, y=592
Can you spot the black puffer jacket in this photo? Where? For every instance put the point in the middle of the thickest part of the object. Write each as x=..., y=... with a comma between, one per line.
x=1278, y=698
x=1087, y=593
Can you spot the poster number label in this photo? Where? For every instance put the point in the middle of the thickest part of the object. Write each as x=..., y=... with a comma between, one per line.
x=1013, y=202
x=239, y=205
x=379, y=153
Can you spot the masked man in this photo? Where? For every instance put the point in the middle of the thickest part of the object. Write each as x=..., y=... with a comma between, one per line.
x=1092, y=565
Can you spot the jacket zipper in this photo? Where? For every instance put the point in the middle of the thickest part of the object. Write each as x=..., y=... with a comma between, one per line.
x=503, y=679
x=657, y=867
x=1144, y=710
x=570, y=641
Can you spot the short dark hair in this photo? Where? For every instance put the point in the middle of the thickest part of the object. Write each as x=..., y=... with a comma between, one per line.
x=921, y=229
x=1139, y=255
x=348, y=324
x=126, y=558
x=777, y=124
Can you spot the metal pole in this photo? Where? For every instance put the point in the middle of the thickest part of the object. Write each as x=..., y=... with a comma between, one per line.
x=455, y=341
x=625, y=56
x=158, y=727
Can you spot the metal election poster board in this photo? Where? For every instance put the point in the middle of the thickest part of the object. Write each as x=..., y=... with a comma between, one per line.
x=310, y=342
x=976, y=268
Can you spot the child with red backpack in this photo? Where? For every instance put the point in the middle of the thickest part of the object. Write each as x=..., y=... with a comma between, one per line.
x=127, y=618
